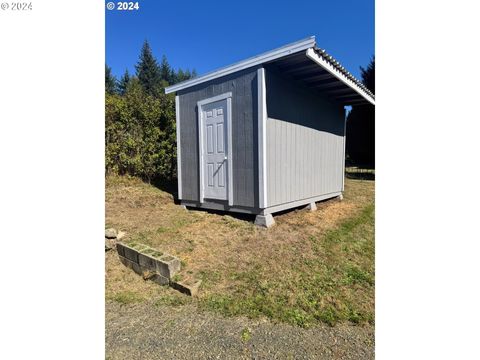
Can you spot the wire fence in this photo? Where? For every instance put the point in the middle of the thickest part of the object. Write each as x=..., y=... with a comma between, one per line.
x=359, y=172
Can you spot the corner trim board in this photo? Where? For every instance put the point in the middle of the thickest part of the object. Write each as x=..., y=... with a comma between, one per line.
x=179, y=149
x=344, y=148
x=262, y=138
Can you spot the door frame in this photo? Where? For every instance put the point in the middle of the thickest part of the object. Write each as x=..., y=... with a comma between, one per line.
x=226, y=96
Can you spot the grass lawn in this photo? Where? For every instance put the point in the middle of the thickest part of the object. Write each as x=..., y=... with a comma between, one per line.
x=310, y=267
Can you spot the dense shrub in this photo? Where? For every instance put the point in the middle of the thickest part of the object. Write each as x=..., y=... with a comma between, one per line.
x=140, y=134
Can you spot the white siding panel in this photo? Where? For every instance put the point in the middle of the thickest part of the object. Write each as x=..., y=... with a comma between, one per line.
x=303, y=162
x=305, y=142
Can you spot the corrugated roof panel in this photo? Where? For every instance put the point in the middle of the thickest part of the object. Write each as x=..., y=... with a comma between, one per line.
x=301, y=59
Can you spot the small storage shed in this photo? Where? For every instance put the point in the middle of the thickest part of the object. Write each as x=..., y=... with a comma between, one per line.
x=265, y=134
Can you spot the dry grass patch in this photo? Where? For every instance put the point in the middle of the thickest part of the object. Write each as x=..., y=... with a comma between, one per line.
x=311, y=266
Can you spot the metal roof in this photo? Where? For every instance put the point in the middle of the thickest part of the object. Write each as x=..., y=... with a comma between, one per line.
x=323, y=53
x=302, y=61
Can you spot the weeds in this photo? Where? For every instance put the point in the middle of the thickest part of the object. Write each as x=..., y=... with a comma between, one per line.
x=309, y=268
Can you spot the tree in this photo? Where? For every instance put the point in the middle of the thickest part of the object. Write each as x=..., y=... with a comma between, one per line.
x=361, y=125
x=123, y=83
x=110, y=81
x=140, y=134
x=148, y=71
x=166, y=72
x=182, y=75
x=368, y=75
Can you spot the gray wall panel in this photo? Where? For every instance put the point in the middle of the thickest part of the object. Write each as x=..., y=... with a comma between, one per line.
x=243, y=86
x=305, y=142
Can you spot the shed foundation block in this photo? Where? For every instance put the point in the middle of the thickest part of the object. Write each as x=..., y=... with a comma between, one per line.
x=264, y=220
x=340, y=197
x=311, y=207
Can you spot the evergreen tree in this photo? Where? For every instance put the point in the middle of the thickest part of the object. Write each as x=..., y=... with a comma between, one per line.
x=148, y=71
x=368, y=75
x=166, y=71
x=361, y=125
x=124, y=80
x=110, y=81
x=180, y=76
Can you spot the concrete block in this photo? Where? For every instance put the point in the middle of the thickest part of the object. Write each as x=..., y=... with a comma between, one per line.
x=131, y=265
x=186, y=288
x=155, y=277
x=312, y=206
x=340, y=197
x=132, y=251
x=147, y=261
x=168, y=266
x=159, y=279
x=131, y=254
x=121, y=249
x=264, y=220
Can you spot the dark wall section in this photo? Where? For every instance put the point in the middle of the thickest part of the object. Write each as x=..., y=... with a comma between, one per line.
x=291, y=101
x=243, y=86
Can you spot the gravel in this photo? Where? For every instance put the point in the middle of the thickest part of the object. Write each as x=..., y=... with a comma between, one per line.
x=146, y=331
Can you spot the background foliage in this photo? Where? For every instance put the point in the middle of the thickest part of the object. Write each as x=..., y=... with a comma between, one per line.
x=140, y=133
x=361, y=126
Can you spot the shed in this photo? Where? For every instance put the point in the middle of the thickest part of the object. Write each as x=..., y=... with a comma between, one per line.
x=267, y=133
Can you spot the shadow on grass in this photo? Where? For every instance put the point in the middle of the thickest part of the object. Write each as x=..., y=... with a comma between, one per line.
x=168, y=186
x=236, y=215
x=360, y=175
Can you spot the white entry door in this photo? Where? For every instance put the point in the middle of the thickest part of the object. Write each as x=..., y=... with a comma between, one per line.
x=214, y=133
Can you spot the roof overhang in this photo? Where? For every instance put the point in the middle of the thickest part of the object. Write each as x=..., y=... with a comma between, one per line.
x=304, y=62
x=245, y=64
x=313, y=55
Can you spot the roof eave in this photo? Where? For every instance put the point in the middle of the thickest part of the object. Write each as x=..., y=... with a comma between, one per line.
x=311, y=54
x=250, y=62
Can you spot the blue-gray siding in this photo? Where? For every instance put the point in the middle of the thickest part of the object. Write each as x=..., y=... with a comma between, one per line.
x=305, y=142
x=243, y=86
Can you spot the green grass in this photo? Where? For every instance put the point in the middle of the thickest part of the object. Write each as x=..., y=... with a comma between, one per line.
x=246, y=335
x=173, y=300
x=337, y=285
x=127, y=297
x=310, y=268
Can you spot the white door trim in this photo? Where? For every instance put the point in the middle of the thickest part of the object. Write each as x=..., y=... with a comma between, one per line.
x=228, y=97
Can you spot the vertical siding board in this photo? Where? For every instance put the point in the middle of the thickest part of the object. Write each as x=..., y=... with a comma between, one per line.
x=278, y=163
x=270, y=160
x=296, y=159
